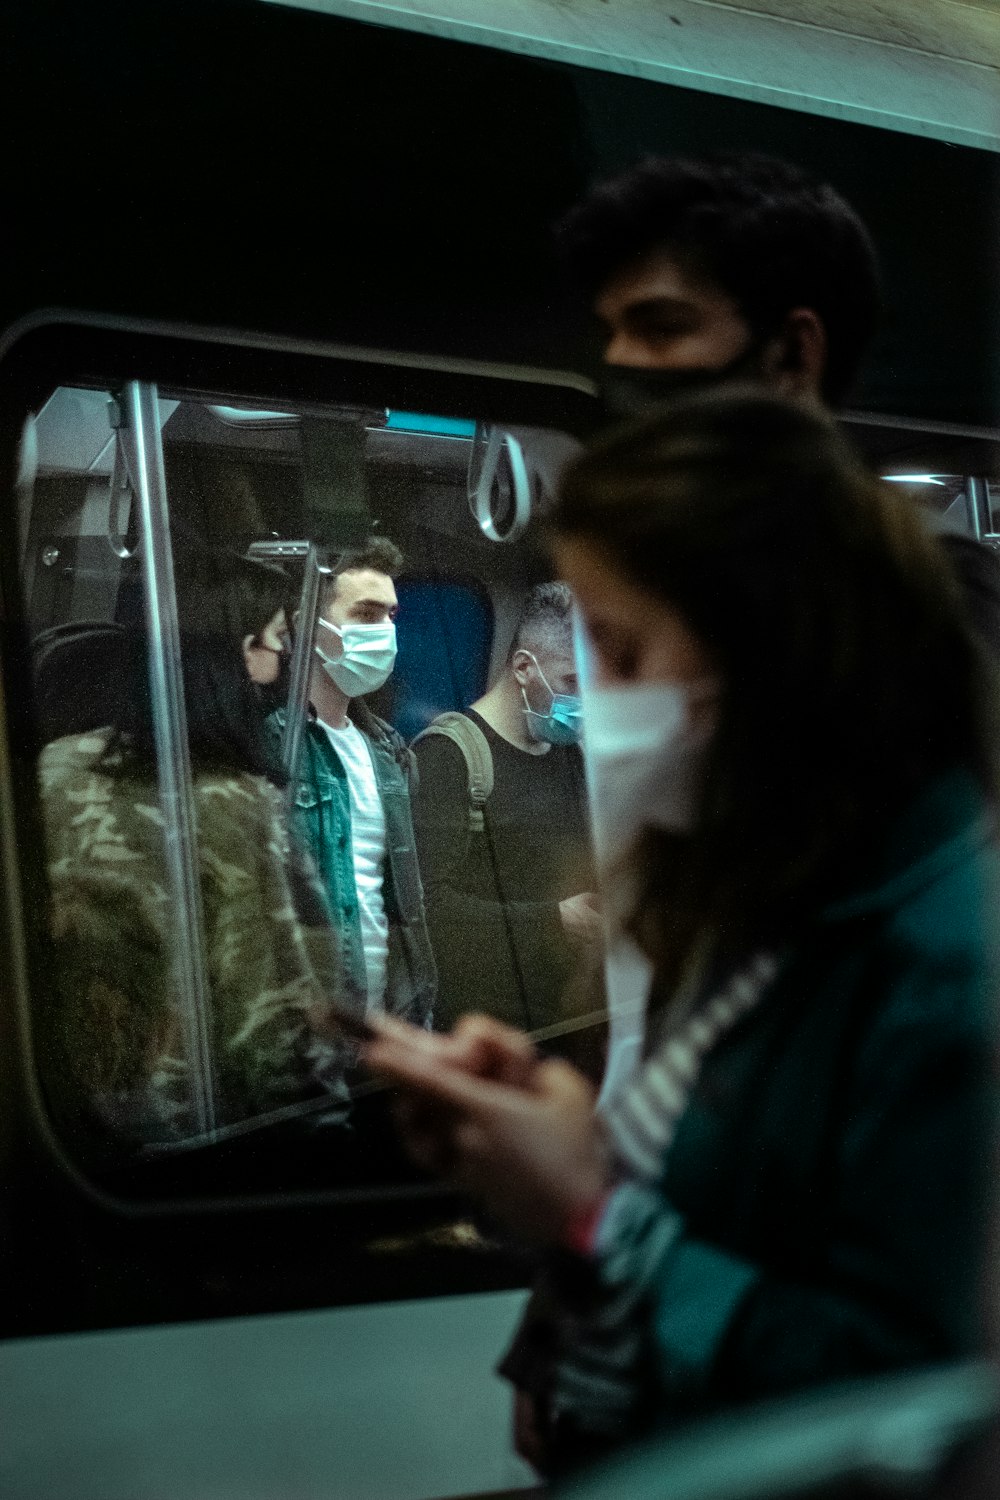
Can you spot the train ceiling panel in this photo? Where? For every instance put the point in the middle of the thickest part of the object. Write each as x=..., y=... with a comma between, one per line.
x=74, y=433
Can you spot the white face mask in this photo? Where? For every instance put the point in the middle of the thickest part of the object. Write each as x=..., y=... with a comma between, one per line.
x=645, y=760
x=367, y=659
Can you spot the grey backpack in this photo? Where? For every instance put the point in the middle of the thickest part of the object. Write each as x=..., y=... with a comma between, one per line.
x=476, y=752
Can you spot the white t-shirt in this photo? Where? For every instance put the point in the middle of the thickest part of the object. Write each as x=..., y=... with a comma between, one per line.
x=368, y=838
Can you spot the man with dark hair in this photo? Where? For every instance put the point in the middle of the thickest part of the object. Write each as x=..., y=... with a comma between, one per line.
x=742, y=265
x=352, y=804
x=739, y=267
x=500, y=818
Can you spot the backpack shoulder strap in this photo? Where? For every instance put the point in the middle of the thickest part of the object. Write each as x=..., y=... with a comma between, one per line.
x=478, y=756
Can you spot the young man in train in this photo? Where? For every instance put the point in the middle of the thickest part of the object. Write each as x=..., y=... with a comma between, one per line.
x=738, y=267
x=352, y=804
x=501, y=824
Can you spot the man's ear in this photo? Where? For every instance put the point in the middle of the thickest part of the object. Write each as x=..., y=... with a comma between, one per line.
x=520, y=664
x=800, y=355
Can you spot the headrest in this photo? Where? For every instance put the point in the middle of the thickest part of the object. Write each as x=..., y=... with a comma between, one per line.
x=82, y=671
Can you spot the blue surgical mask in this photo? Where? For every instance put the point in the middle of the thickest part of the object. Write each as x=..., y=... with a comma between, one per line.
x=562, y=723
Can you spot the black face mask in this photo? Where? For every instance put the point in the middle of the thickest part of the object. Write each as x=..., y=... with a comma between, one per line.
x=274, y=694
x=633, y=390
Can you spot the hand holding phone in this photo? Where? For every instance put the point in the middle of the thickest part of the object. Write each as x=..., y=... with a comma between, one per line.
x=516, y=1130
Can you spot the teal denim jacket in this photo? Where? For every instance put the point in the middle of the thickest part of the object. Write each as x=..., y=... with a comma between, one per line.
x=831, y=1171
x=322, y=820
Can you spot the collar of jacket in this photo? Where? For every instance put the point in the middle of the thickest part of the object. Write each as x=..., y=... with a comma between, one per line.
x=370, y=724
x=948, y=824
x=377, y=730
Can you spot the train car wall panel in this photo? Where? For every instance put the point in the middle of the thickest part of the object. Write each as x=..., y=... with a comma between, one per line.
x=933, y=74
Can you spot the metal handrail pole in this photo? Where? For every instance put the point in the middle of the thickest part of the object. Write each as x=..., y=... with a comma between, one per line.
x=301, y=668
x=977, y=499
x=173, y=760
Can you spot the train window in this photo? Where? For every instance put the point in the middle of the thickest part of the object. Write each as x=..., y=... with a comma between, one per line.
x=961, y=503
x=432, y=676
x=240, y=612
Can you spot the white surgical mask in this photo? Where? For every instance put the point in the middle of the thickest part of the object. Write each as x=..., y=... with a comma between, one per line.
x=367, y=659
x=645, y=760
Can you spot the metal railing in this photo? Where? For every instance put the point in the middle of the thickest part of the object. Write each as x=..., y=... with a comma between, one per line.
x=306, y=620
x=173, y=761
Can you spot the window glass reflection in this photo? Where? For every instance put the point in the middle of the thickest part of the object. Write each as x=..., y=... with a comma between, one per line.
x=378, y=876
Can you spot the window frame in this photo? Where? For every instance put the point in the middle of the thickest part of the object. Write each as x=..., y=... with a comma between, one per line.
x=60, y=348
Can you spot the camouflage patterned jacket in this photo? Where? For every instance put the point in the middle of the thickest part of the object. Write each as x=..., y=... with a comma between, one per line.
x=110, y=1039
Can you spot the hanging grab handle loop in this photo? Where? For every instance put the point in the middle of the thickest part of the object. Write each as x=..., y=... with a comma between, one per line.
x=489, y=446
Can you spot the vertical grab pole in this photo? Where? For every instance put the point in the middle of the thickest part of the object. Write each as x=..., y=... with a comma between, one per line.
x=173, y=761
x=977, y=500
x=301, y=668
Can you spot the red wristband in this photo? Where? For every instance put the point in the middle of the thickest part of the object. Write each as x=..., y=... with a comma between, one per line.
x=580, y=1229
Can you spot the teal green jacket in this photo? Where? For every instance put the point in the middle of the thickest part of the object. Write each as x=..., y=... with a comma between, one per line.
x=322, y=820
x=832, y=1168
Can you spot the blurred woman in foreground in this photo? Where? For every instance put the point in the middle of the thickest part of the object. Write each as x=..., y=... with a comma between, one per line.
x=797, y=731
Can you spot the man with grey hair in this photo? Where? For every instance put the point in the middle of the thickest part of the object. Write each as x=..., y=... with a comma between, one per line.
x=501, y=828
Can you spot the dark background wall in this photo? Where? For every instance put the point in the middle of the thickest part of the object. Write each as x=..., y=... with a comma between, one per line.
x=242, y=164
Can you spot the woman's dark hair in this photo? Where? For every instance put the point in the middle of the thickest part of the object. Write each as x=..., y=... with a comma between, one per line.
x=767, y=233
x=227, y=728
x=225, y=715
x=850, y=678
x=222, y=593
x=221, y=603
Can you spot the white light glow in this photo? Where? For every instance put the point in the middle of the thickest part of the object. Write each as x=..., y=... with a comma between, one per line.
x=913, y=479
